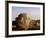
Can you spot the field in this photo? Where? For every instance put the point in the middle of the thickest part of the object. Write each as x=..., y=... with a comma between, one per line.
x=34, y=25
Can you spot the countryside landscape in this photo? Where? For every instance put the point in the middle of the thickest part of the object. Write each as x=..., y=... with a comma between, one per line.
x=25, y=18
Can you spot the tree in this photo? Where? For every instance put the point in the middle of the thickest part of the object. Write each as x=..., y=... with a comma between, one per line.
x=22, y=22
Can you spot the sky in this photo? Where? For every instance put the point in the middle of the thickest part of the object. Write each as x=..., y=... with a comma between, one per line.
x=33, y=12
